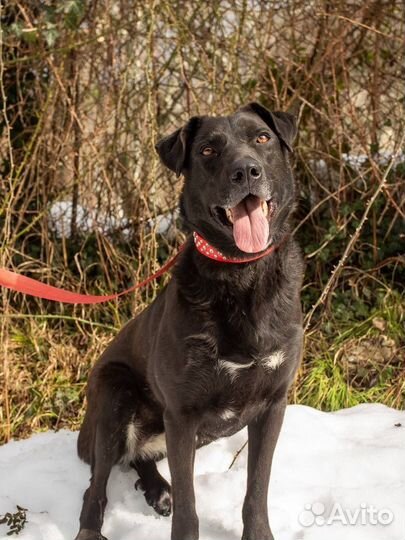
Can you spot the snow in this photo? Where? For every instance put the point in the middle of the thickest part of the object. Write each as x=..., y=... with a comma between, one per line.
x=349, y=465
x=382, y=158
x=60, y=218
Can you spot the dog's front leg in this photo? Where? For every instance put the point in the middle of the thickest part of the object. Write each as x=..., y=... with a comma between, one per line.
x=263, y=434
x=180, y=438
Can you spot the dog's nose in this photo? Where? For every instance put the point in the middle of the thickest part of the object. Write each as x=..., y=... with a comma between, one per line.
x=246, y=171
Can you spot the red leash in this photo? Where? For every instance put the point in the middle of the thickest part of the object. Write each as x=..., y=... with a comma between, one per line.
x=32, y=287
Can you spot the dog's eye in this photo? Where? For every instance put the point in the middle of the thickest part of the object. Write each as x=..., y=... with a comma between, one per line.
x=208, y=151
x=263, y=138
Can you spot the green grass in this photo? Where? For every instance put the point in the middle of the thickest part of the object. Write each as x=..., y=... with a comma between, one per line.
x=357, y=356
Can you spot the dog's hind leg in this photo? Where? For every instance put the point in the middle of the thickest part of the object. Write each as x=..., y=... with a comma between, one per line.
x=111, y=393
x=95, y=499
x=156, y=489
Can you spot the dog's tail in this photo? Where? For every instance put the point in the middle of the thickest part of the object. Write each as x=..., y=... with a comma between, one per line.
x=85, y=441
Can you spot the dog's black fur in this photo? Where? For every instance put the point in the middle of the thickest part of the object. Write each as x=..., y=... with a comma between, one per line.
x=218, y=349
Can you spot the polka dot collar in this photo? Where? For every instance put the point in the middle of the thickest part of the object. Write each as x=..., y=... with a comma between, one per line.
x=209, y=251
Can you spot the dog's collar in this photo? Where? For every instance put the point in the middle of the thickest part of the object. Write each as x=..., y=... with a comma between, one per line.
x=209, y=251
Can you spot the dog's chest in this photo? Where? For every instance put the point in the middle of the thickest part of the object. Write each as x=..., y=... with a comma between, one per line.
x=227, y=391
x=238, y=393
x=231, y=357
x=261, y=365
x=231, y=370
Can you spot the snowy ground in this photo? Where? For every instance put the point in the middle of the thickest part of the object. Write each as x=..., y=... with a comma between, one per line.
x=350, y=466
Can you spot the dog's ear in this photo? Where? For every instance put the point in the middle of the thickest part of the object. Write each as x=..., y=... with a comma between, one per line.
x=173, y=149
x=284, y=124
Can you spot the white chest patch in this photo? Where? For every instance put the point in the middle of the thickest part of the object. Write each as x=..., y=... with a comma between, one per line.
x=227, y=414
x=233, y=369
x=273, y=361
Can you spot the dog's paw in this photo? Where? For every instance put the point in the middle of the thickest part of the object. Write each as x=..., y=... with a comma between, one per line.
x=139, y=485
x=158, y=497
x=161, y=503
x=87, y=534
x=257, y=535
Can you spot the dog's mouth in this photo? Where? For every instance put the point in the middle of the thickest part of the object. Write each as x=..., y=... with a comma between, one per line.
x=249, y=221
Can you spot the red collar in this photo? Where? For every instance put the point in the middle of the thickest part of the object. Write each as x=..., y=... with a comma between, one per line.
x=212, y=253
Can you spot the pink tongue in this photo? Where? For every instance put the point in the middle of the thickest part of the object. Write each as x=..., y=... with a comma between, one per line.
x=250, y=226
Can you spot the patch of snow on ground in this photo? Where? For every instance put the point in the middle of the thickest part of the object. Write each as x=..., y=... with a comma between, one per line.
x=347, y=464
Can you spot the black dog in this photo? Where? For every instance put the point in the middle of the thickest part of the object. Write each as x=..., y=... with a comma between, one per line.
x=218, y=349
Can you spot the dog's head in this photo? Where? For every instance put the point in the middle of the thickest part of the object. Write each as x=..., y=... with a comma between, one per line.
x=239, y=189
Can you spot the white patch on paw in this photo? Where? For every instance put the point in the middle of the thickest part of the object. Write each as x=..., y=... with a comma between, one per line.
x=165, y=499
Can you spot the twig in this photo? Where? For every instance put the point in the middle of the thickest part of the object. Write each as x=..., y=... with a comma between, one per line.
x=238, y=453
x=354, y=238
